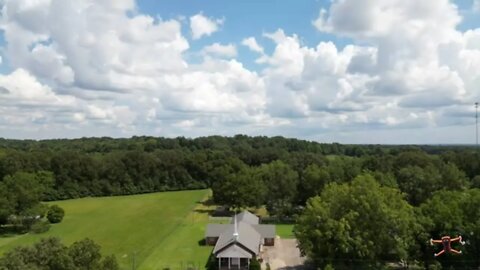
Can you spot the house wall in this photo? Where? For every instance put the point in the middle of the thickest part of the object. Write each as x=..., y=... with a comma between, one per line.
x=269, y=241
x=211, y=241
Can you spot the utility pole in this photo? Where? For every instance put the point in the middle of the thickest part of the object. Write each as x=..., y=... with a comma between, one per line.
x=476, y=124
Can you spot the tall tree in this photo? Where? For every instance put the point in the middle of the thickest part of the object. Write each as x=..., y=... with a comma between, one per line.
x=281, y=184
x=355, y=223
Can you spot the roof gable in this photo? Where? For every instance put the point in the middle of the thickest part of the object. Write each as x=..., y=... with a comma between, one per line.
x=234, y=251
x=247, y=237
x=246, y=217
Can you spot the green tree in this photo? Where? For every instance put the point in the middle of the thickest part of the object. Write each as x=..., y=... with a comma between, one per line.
x=453, y=178
x=25, y=190
x=55, y=214
x=110, y=263
x=240, y=189
x=419, y=183
x=357, y=221
x=281, y=184
x=51, y=254
x=18, y=259
x=476, y=182
x=7, y=204
x=455, y=213
x=314, y=180
x=85, y=254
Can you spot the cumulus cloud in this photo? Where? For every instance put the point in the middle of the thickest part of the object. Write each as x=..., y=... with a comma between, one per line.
x=218, y=49
x=476, y=5
x=201, y=25
x=252, y=44
x=89, y=68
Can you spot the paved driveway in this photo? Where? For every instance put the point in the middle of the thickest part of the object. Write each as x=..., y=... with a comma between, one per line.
x=284, y=255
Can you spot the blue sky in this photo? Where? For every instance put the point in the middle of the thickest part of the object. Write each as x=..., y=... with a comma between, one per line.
x=386, y=71
x=248, y=18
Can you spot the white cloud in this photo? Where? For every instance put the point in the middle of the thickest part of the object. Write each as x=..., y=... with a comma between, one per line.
x=476, y=5
x=204, y=26
x=82, y=68
x=252, y=44
x=218, y=49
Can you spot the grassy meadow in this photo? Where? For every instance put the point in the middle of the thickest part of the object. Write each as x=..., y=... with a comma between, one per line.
x=152, y=231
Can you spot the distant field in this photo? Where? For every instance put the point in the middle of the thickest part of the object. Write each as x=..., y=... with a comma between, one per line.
x=285, y=230
x=161, y=229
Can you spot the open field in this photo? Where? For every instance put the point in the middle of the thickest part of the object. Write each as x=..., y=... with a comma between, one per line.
x=154, y=231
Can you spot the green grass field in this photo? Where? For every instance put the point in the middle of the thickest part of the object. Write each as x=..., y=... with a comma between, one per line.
x=156, y=231
x=285, y=230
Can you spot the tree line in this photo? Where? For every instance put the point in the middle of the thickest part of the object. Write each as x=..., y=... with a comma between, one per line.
x=429, y=190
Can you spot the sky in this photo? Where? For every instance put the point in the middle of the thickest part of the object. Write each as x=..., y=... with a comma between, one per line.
x=348, y=71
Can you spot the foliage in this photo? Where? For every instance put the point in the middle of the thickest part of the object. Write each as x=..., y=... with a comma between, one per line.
x=40, y=227
x=356, y=221
x=55, y=214
x=20, y=198
x=212, y=263
x=280, y=173
x=281, y=182
x=50, y=253
x=239, y=186
x=455, y=213
x=255, y=264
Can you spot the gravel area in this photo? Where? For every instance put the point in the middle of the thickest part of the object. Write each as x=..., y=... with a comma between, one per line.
x=284, y=255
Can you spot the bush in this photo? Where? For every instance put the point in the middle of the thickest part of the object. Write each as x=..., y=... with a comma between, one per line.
x=55, y=214
x=40, y=227
x=255, y=265
x=110, y=263
x=329, y=267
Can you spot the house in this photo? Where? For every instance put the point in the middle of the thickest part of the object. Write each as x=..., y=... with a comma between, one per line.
x=240, y=241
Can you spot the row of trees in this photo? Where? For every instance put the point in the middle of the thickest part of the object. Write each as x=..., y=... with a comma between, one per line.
x=50, y=253
x=78, y=174
x=282, y=187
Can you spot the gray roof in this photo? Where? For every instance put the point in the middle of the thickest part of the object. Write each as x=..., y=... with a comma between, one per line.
x=246, y=217
x=247, y=237
x=214, y=230
x=234, y=251
x=266, y=231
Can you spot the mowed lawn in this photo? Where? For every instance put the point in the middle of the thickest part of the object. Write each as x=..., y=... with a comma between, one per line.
x=154, y=231
x=285, y=230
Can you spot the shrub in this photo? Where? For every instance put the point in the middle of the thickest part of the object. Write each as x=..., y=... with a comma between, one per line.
x=55, y=214
x=329, y=267
x=40, y=227
x=255, y=265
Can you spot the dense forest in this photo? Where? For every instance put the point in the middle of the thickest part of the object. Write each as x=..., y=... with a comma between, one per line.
x=342, y=196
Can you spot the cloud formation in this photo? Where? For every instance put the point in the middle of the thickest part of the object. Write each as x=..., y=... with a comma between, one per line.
x=203, y=26
x=89, y=68
x=252, y=44
x=218, y=49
